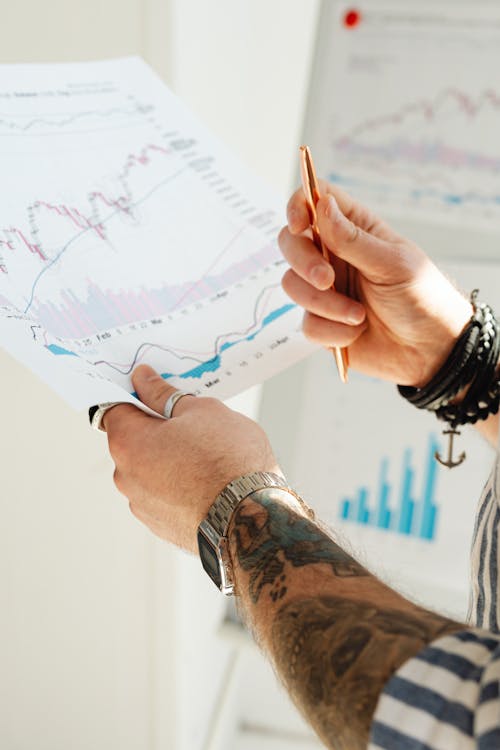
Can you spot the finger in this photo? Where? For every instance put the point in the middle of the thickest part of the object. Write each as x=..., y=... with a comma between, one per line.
x=124, y=426
x=359, y=214
x=154, y=391
x=306, y=260
x=330, y=333
x=373, y=256
x=327, y=304
x=119, y=415
x=296, y=213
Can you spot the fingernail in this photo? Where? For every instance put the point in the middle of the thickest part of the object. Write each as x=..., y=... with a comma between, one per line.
x=333, y=207
x=355, y=315
x=322, y=276
x=295, y=219
x=292, y=217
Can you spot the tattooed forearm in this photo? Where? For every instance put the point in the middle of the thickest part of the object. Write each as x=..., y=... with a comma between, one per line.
x=335, y=656
x=268, y=535
x=335, y=633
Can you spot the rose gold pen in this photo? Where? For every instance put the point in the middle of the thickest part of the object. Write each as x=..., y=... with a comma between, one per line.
x=311, y=191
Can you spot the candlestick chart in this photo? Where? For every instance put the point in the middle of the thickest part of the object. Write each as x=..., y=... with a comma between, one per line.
x=129, y=235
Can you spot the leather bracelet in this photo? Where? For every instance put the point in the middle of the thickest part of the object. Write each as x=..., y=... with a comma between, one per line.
x=472, y=364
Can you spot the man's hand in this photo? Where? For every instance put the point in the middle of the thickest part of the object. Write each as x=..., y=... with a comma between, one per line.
x=172, y=470
x=402, y=316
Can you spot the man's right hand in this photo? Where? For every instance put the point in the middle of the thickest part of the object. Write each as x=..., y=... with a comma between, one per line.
x=403, y=315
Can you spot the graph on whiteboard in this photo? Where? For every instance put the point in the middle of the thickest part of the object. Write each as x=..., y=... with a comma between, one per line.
x=128, y=235
x=412, y=111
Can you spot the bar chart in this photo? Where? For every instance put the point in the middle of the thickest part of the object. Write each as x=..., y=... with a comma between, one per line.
x=409, y=508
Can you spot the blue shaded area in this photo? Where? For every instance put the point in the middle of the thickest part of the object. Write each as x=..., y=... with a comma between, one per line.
x=409, y=516
x=276, y=314
x=59, y=350
x=418, y=194
x=429, y=509
x=197, y=372
x=363, y=512
x=215, y=363
x=383, y=518
x=344, y=510
x=407, y=503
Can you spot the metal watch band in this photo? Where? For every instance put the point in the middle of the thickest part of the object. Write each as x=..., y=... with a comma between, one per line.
x=213, y=544
x=222, y=509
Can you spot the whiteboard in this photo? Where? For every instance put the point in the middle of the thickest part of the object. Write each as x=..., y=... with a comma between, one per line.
x=404, y=113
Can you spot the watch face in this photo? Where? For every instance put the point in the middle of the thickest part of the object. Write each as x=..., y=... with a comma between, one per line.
x=209, y=559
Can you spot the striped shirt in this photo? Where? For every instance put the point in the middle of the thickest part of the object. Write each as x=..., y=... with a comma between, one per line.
x=447, y=697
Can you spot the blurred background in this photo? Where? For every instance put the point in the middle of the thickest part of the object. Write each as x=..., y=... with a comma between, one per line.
x=108, y=637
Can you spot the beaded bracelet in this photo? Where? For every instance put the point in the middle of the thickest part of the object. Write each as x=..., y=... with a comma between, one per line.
x=472, y=362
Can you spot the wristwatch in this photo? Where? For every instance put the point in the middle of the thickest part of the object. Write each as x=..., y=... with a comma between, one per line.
x=212, y=531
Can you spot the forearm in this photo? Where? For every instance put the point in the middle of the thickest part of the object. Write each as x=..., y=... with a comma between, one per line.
x=334, y=632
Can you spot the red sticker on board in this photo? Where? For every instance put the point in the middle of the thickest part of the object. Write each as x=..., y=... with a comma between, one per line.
x=352, y=18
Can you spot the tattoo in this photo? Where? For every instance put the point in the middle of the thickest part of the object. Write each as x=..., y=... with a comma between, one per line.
x=335, y=652
x=265, y=542
x=335, y=656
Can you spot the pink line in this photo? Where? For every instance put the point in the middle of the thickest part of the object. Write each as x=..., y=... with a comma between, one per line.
x=35, y=249
x=430, y=108
x=76, y=216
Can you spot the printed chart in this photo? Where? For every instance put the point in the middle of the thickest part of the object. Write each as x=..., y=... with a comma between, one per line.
x=129, y=235
x=410, y=108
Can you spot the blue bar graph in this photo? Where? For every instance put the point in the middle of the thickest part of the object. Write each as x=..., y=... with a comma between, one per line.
x=404, y=513
x=383, y=516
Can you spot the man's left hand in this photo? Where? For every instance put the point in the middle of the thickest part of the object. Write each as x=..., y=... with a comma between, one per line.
x=172, y=470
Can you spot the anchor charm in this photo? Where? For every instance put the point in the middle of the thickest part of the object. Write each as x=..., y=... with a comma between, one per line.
x=450, y=463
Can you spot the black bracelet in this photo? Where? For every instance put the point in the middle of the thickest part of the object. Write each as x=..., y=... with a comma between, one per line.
x=472, y=363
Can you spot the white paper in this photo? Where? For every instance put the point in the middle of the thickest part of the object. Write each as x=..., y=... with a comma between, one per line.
x=129, y=235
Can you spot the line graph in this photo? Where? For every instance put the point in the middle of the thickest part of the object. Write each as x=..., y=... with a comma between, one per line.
x=430, y=110
x=422, y=140
x=76, y=216
x=224, y=341
x=147, y=244
x=71, y=242
x=231, y=357
x=429, y=149
x=24, y=123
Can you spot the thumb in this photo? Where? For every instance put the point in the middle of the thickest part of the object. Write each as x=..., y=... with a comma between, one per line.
x=372, y=256
x=152, y=388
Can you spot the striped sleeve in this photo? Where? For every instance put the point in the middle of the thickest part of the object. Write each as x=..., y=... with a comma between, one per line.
x=484, y=610
x=447, y=697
